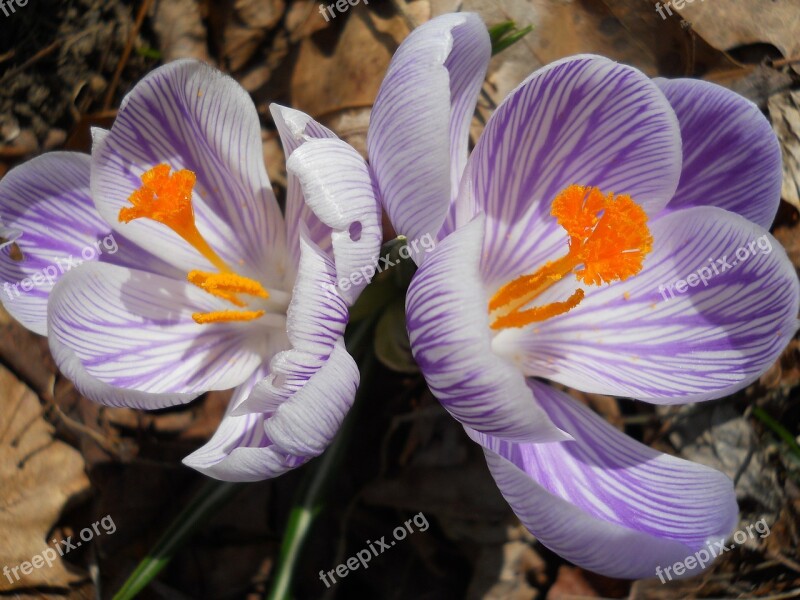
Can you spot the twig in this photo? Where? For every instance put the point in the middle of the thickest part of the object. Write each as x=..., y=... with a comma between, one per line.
x=126, y=54
x=45, y=51
x=784, y=61
x=48, y=396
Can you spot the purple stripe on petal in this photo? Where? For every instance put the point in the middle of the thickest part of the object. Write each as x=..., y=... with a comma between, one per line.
x=46, y=199
x=190, y=116
x=646, y=339
x=240, y=450
x=583, y=120
x=419, y=126
x=337, y=185
x=295, y=128
x=306, y=423
x=731, y=155
x=105, y=394
x=606, y=502
x=134, y=330
x=316, y=320
x=448, y=326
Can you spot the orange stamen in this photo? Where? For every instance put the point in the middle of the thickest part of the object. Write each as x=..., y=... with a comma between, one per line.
x=608, y=240
x=227, y=285
x=167, y=199
x=521, y=318
x=225, y=316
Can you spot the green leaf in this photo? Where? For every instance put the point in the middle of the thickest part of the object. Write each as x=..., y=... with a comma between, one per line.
x=391, y=339
x=148, y=52
x=779, y=429
x=506, y=34
x=496, y=32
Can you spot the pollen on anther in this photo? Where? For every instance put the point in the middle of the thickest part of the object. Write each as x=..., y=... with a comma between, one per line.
x=608, y=239
x=227, y=316
x=608, y=234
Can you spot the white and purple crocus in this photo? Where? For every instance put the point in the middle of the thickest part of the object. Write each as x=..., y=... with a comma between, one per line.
x=203, y=284
x=591, y=190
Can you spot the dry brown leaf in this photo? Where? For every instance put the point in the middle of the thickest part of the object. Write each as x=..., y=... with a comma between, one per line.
x=303, y=19
x=261, y=14
x=246, y=27
x=180, y=30
x=784, y=111
x=560, y=28
x=26, y=353
x=678, y=51
x=571, y=583
x=757, y=83
x=40, y=476
x=726, y=24
x=343, y=70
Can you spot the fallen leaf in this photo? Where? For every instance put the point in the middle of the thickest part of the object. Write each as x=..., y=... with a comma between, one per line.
x=178, y=24
x=784, y=110
x=40, y=476
x=570, y=582
x=727, y=24
x=334, y=72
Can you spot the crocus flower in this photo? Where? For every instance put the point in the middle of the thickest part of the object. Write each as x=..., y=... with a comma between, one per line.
x=201, y=284
x=591, y=190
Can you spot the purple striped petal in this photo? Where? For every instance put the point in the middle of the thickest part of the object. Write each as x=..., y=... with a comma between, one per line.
x=257, y=446
x=448, y=326
x=240, y=450
x=419, y=128
x=583, y=120
x=134, y=330
x=731, y=155
x=316, y=320
x=305, y=424
x=105, y=394
x=47, y=199
x=654, y=339
x=190, y=116
x=606, y=502
x=48, y=204
x=337, y=185
x=295, y=128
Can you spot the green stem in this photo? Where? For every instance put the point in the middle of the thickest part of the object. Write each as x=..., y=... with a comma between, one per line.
x=211, y=497
x=319, y=479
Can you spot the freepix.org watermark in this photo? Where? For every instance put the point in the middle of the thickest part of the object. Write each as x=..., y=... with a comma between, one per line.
x=715, y=267
x=48, y=555
x=340, y=5
x=374, y=549
x=713, y=549
x=676, y=4
x=367, y=272
x=8, y=6
x=49, y=275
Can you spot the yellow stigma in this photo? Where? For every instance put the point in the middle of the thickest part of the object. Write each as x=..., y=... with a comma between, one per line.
x=608, y=240
x=166, y=198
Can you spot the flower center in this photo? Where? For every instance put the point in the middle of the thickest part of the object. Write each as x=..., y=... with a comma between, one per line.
x=608, y=240
x=166, y=198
